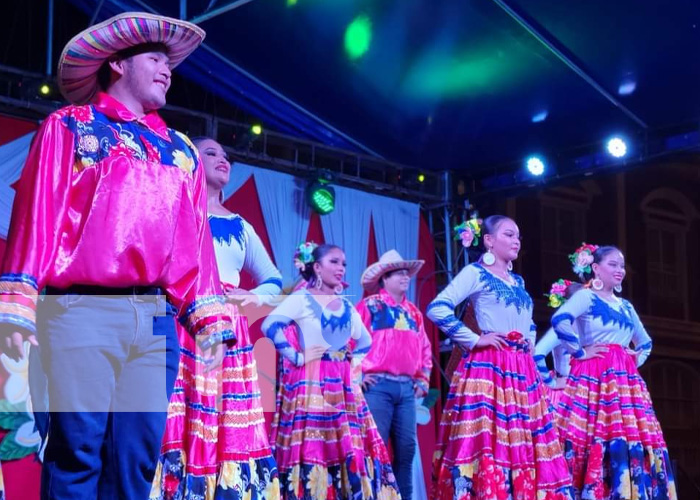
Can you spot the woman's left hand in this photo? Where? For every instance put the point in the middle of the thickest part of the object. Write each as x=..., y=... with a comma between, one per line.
x=240, y=296
x=632, y=353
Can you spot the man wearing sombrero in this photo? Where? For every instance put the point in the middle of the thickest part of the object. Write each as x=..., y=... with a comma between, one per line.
x=110, y=217
x=397, y=368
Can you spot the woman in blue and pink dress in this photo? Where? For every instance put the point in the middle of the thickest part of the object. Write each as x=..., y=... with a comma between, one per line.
x=611, y=437
x=497, y=437
x=215, y=444
x=320, y=437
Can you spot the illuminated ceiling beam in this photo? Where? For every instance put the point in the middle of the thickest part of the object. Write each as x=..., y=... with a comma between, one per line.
x=217, y=12
x=553, y=45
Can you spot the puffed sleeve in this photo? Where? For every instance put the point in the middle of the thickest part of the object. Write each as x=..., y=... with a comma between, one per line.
x=257, y=262
x=640, y=338
x=441, y=311
x=38, y=212
x=359, y=333
x=544, y=346
x=275, y=325
x=563, y=321
x=422, y=376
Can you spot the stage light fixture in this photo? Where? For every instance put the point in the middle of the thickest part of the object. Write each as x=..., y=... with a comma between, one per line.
x=358, y=37
x=44, y=89
x=627, y=87
x=421, y=178
x=535, y=165
x=320, y=195
x=540, y=116
x=617, y=147
x=256, y=129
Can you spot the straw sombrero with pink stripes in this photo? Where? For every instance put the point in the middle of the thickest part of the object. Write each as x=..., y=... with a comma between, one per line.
x=389, y=261
x=87, y=51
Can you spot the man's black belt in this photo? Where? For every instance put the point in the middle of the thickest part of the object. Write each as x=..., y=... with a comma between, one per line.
x=104, y=290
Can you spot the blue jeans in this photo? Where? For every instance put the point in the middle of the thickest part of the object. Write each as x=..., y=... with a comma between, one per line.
x=111, y=364
x=393, y=407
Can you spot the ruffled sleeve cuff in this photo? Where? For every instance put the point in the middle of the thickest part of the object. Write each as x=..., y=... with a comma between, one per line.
x=18, y=299
x=207, y=317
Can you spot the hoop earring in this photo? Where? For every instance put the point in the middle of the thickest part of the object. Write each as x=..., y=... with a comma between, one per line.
x=510, y=265
x=597, y=284
x=488, y=258
x=318, y=283
x=339, y=289
x=618, y=288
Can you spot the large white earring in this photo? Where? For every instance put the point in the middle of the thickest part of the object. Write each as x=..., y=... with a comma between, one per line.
x=510, y=265
x=488, y=258
x=339, y=289
x=318, y=283
x=597, y=284
x=618, y=288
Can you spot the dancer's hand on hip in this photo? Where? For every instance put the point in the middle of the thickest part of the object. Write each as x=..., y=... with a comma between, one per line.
x=241, y=297
x=593, y=351
x=632, y=353
x=314, y=352
x=492, y=339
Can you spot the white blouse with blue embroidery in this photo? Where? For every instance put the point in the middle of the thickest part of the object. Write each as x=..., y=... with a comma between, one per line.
x=318, y=326
x=238, y=247
x=586, y=319
x=499, y=306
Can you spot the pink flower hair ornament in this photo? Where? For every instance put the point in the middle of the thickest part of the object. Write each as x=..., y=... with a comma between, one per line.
x=304, y=254
x=582, y=259
x=469, y=232
x=557, y=293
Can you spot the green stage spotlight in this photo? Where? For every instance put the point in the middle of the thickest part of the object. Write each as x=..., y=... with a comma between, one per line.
x=320, y=195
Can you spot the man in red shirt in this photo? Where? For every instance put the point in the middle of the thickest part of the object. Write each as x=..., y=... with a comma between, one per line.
x=110, y=218
x=397, y=368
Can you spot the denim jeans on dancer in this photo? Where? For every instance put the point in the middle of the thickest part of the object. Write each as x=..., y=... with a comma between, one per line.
x=393, y=406
x=111, y=363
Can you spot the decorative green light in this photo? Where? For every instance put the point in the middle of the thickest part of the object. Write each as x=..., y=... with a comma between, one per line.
x=256, y=129
x=321, y=197
x=291, y=3
x=421, y=177
x=45, y=89
x=358, y=37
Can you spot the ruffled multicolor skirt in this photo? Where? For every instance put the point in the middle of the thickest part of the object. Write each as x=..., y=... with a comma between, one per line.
x=215, y=444
x=326, y=443
x=497, y=438
x=611, y=437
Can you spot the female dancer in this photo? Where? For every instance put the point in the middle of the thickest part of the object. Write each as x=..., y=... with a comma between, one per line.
x=319, y=443
x=216, y=444
x=611, y=437
x=497, y=437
